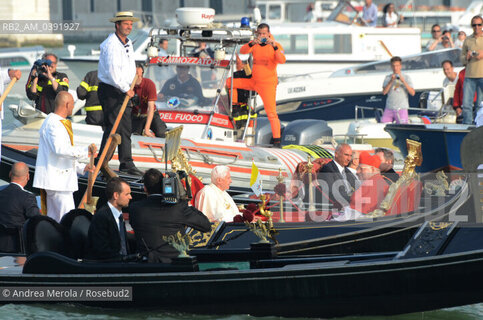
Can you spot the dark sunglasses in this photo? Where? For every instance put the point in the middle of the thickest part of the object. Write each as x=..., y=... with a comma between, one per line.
x=476, y=25
x=435, y=31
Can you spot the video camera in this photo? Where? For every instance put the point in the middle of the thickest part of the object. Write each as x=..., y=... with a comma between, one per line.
x=173, y=189
x=41, y=65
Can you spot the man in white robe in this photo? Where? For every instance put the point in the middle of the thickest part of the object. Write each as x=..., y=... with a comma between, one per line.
x=213, y=200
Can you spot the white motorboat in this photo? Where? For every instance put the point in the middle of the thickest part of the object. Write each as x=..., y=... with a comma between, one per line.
x=335, y=97
x=208, y=137
x=316, y=47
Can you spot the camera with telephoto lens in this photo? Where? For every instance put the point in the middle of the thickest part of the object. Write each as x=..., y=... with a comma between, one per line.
x=263, y=40
x=445, y=38
x=41, y=66
x=173, y=189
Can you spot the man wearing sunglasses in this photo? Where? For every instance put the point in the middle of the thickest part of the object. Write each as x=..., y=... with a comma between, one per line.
x=436, y=42
x=472, y=57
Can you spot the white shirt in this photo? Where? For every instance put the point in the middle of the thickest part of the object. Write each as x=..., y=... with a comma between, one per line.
x=216, y=204
x=115, y=213
x=447, y=82
x=117, y=66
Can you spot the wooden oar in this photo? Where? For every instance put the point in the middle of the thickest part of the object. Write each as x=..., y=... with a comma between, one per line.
x=7, y=91
x=109, y=139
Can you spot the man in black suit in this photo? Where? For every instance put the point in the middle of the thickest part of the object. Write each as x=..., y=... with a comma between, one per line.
x=107, y=232
x=387, y=164
x=17, y=205
x=336, y=181
x=152, y=218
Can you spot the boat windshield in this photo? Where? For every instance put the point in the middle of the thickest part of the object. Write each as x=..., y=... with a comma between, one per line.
x=189, y=88
x=429, y=60
x=344, y=13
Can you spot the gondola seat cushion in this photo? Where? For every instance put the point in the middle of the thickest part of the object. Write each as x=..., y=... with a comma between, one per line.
x=10, y=239
x=42, y=233
x=76, y=222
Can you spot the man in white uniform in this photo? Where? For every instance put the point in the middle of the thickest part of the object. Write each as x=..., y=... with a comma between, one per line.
x=57, y=159
x=6, y=75
x=116, y=72
x=213, y=200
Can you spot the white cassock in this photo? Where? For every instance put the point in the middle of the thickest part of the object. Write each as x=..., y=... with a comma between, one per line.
x=57, y=166
x=216, y=204
x=4, y=79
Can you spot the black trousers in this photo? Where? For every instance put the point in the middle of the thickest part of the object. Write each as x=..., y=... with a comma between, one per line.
x=111, y=100
x=157, y=125
x=95, y=117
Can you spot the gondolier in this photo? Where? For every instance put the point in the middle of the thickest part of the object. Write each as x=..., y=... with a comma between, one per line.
x=116, y=72
x=88, y=90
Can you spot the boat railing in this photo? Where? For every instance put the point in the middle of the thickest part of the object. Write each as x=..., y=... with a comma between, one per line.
x=377, y=111
x=356, y=138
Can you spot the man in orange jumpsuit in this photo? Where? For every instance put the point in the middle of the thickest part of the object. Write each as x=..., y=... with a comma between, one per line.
x=267, y=53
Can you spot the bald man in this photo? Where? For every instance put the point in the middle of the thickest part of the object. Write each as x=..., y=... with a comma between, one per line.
x=58, y=159
x=17, y=206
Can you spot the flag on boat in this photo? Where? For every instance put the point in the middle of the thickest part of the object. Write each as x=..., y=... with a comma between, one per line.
x=255, y=180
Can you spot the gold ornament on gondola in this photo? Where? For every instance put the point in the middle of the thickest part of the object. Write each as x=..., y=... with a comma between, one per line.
x=180, y=242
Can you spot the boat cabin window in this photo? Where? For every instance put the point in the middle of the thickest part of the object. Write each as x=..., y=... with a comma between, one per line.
x=294, y=43
x=332, y=43
x=15, y=62
x=188, y=88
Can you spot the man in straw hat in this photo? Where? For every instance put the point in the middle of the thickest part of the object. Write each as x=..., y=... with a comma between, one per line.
x=116, y=72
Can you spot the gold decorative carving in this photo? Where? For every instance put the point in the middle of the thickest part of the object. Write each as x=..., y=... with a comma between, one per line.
x=260, y=229
x=438, y=187
x=413, y=159
x=201, y=239
x=263, y=230
x=180, y=242
x=439, y=225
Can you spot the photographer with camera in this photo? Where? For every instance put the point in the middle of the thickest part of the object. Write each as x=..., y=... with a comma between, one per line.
x=155, y=217
x=472, y=57
x=266, y=53
x=397, y=86
x=145, y=116
x=44, y=83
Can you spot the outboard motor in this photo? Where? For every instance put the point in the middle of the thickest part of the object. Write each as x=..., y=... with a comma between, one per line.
x=263, y=131
x=305, y=131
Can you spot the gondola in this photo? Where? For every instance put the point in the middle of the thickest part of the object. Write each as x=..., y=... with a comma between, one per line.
x=301, y=234
x=440, y=267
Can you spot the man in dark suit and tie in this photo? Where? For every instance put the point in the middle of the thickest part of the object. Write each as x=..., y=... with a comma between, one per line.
x=336, y=180
x=153, y=218
x=17, y=205
x=107, y=232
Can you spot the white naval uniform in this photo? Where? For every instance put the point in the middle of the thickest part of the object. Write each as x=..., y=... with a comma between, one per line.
x=216, y=204
x=4, y=79
x=57, y=166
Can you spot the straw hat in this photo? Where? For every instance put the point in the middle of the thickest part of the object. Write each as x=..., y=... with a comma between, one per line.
x=124, y=15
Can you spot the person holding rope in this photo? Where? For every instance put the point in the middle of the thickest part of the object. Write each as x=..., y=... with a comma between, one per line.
x=152, y=218
x=116, y=72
